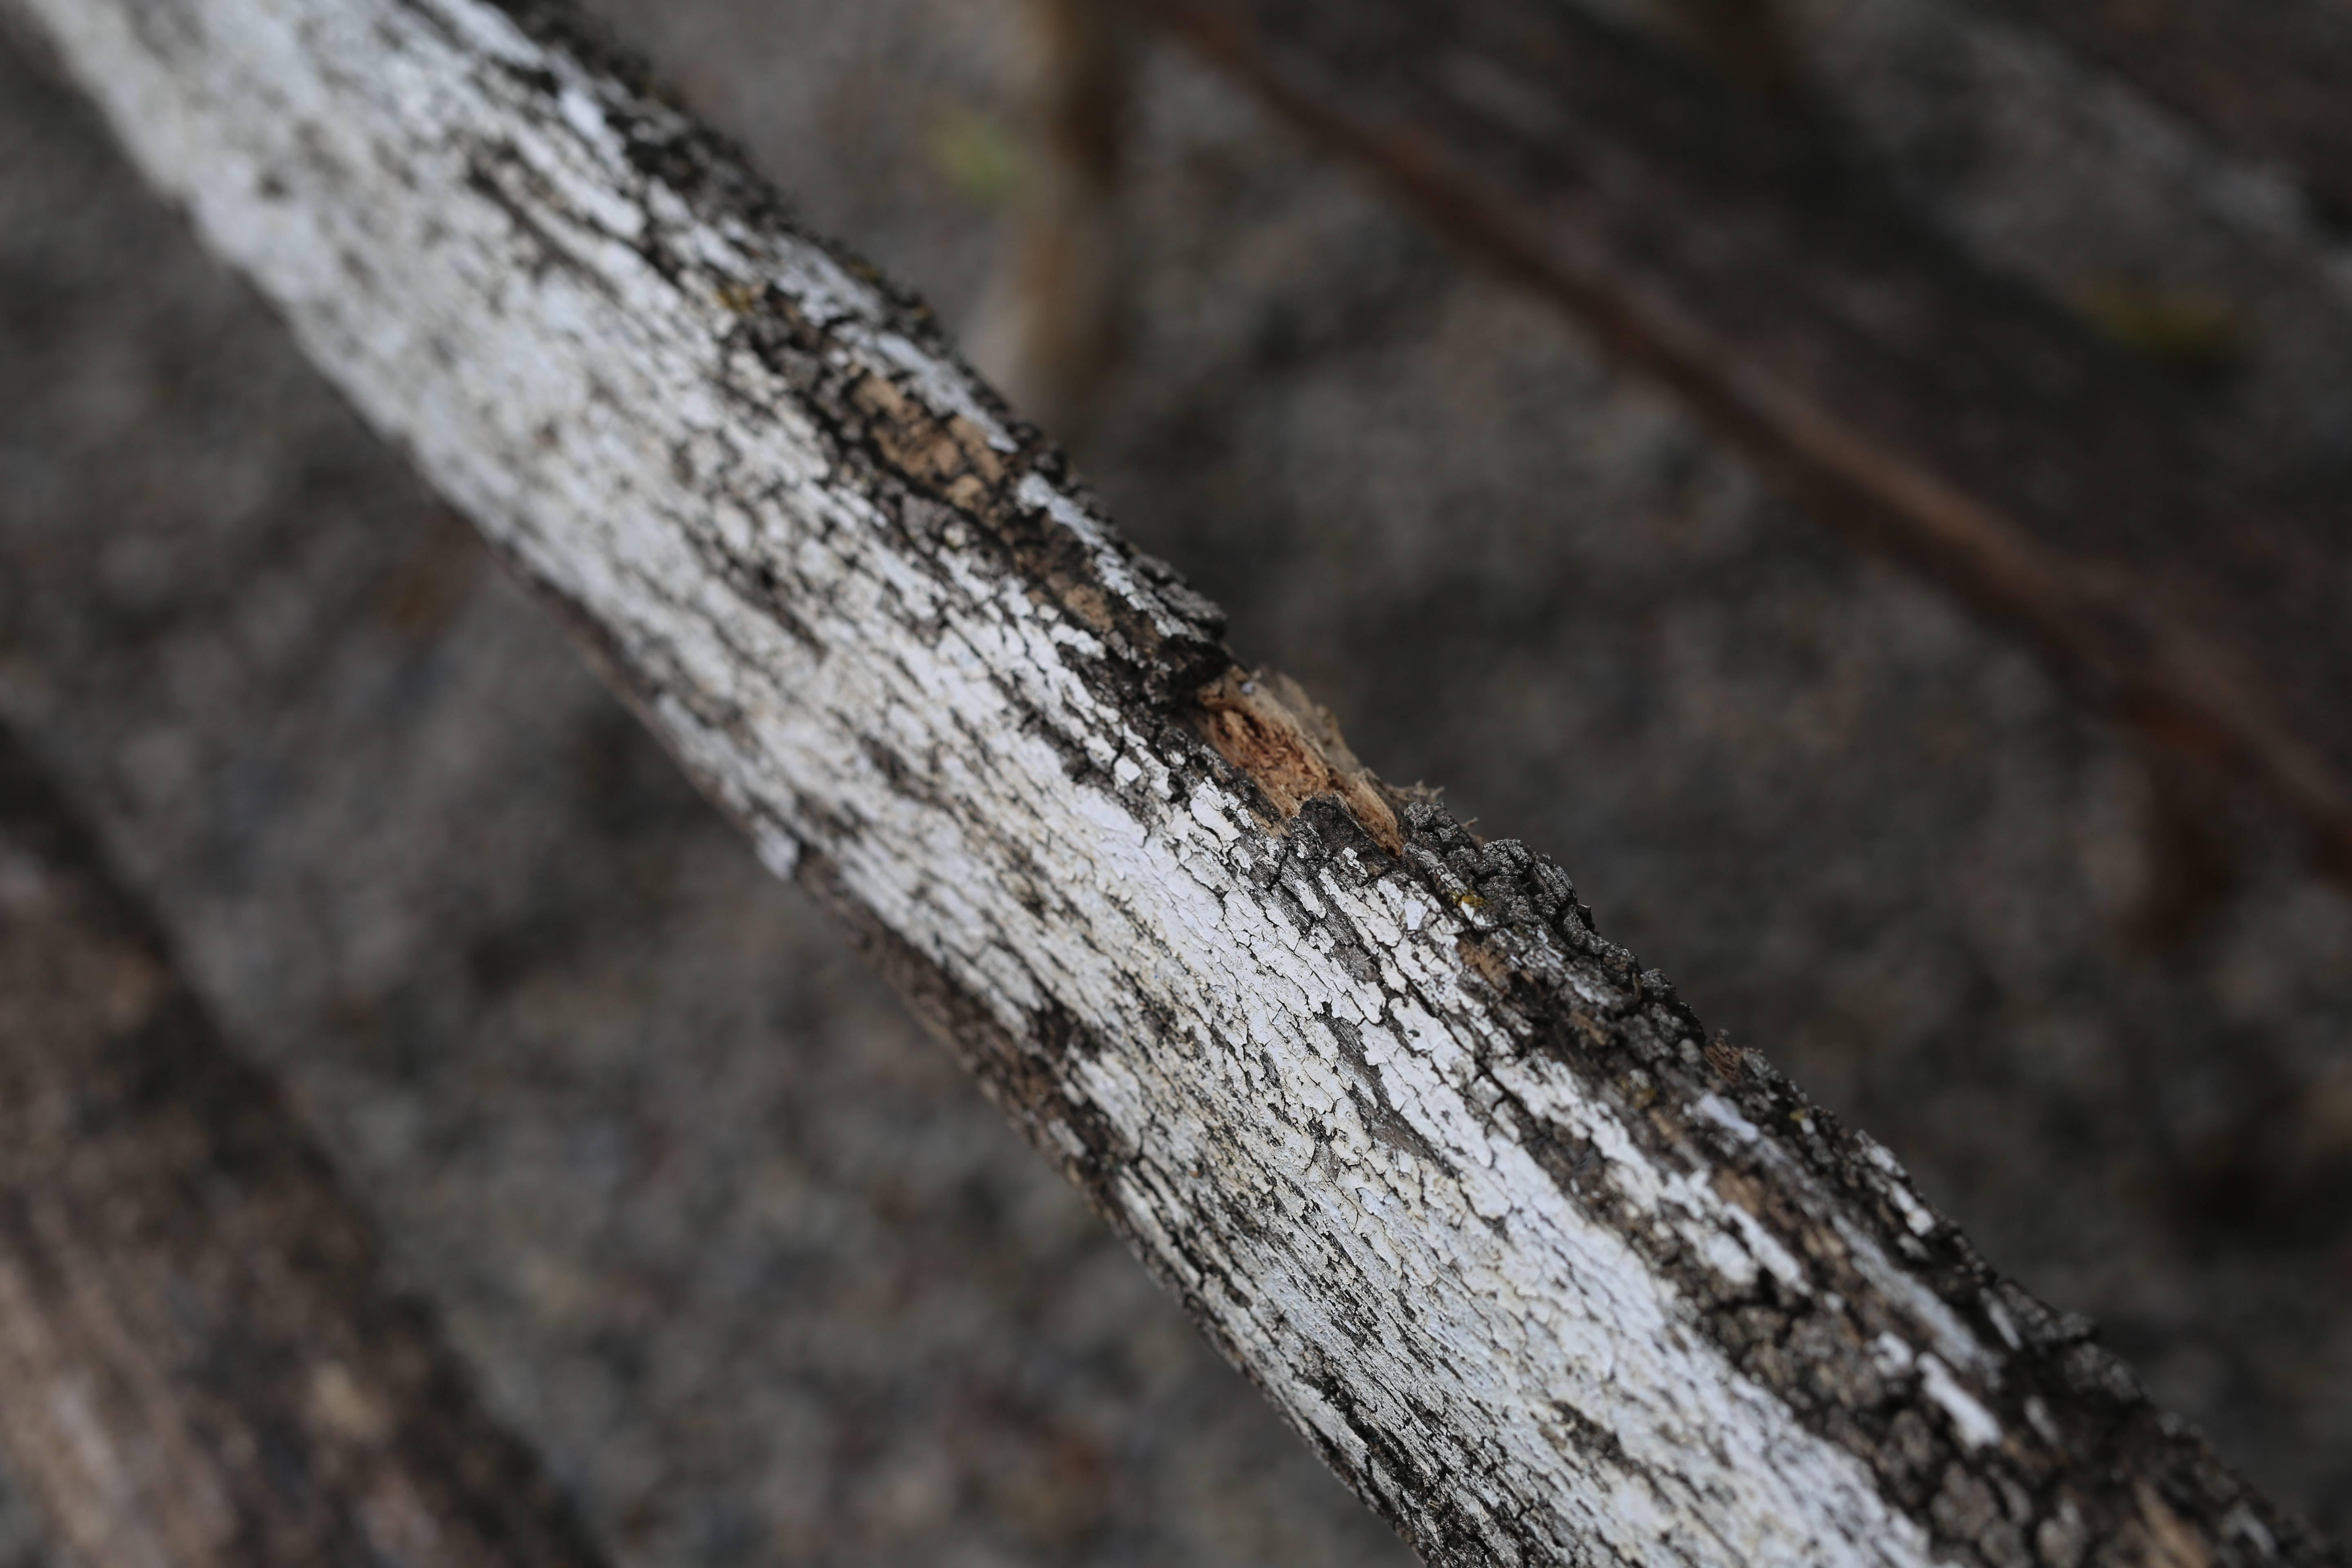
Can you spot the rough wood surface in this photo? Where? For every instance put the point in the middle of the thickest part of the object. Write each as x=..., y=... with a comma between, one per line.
x=1544, y=1274
x=200, y=1361
x=1942, y=415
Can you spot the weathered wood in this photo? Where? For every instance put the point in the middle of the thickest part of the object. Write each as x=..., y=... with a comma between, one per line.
x=1546, y=1278
x=1941, y=414
x=200, y=1360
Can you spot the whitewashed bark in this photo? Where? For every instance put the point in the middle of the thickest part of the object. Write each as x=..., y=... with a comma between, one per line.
x=1544, y=1277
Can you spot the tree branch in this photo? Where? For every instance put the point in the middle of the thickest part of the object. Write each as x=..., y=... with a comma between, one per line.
x=1545, y=1280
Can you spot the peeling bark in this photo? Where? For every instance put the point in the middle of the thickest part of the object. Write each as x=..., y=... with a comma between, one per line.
x=200, y=1361
x=1453, y=1178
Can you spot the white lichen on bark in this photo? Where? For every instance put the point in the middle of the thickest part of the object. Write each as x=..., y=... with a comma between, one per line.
x=1430, y=1160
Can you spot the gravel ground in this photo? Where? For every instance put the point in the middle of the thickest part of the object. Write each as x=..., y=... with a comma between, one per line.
x=736, y=1247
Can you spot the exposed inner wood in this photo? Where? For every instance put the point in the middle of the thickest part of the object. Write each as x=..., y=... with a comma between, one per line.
x=1266, y=725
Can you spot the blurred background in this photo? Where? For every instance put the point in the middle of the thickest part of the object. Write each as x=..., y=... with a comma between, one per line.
x=733, y=1245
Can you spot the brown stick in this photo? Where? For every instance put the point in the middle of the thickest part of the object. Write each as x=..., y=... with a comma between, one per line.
x=1049, y=329
x=200, y=1361
x=1937, y=413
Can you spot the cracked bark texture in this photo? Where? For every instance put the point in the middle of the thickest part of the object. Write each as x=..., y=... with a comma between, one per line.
x=200, y=1359
x=1452, y=1177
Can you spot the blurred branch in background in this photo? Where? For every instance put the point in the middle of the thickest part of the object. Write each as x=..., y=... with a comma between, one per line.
x=1938, y=413
x=1049, y=328
x=1746, y=43
x=201, y=1360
